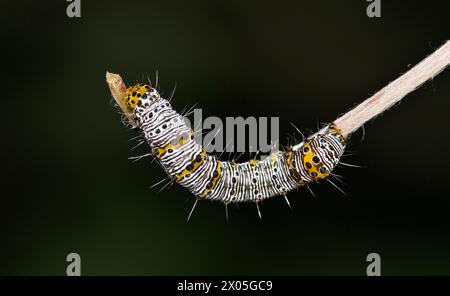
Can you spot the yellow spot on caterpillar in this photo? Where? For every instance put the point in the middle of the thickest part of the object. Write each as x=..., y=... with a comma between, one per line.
x=134, y=93
x=292, y=170
x=195, y=164
x=253, y=163
x=334, y=129
x=181, y=141
x=210, y=187
x=274, y=157
x=311, y=165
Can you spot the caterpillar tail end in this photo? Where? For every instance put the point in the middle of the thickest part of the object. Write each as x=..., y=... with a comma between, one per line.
x=118, y=91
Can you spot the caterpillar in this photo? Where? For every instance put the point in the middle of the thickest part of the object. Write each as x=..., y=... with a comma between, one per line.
x=186, y=162
x=172, y=142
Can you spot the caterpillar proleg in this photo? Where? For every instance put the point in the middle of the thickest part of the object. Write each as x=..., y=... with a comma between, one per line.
x=187, y=163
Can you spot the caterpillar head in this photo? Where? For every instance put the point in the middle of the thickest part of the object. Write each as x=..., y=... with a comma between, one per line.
x=140, y=94
x=322, y=152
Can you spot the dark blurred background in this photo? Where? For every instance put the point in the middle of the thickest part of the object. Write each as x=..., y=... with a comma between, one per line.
x=69, y=187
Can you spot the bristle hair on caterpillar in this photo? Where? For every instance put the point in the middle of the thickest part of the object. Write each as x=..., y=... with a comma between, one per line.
x=172, y=144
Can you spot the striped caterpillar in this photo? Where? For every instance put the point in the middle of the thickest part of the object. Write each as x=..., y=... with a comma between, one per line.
x=187, y=163
x=172, y=144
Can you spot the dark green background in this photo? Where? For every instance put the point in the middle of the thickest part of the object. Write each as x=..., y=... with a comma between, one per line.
x=69, y=187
